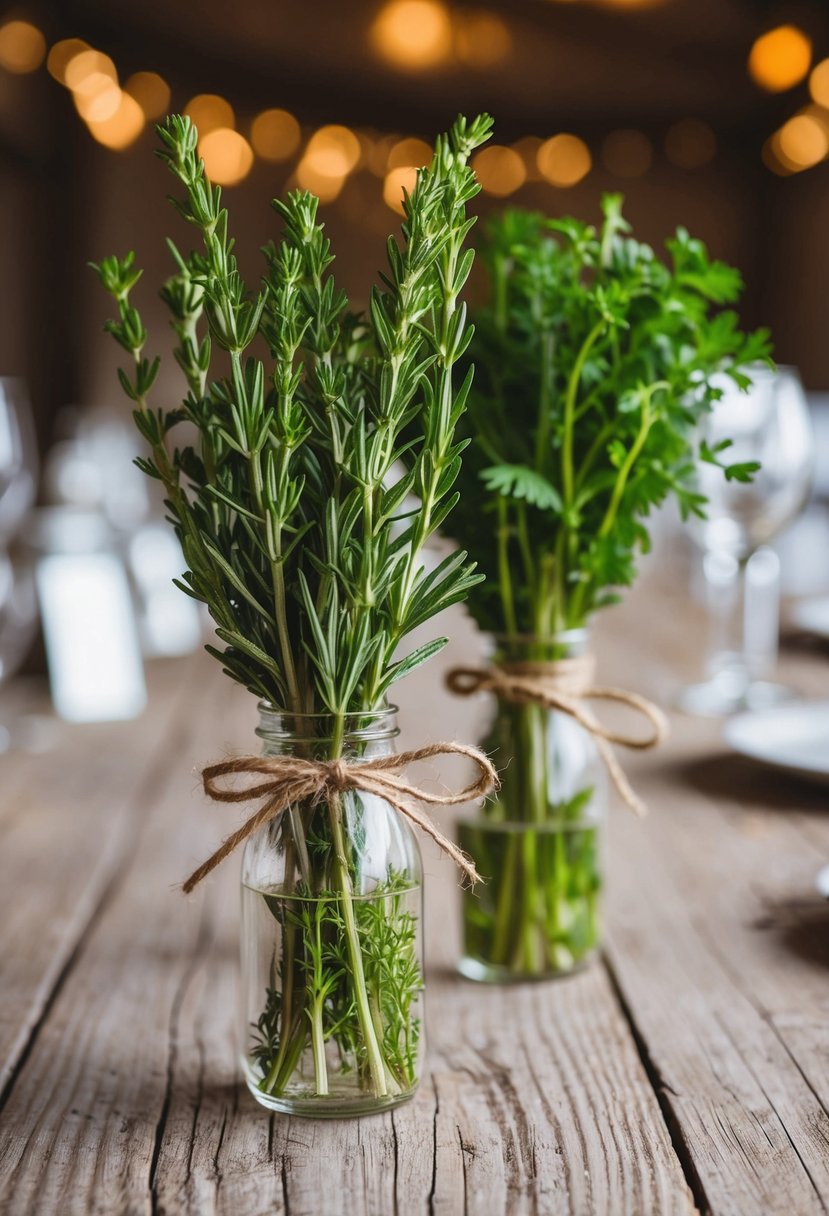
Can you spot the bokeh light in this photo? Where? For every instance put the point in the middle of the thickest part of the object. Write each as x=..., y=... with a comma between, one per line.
x=62, y=54
x=627, y=153
x=499, y=169
x=151, y=91
x=819, y=83
x=209, y=112
x=227, y=155
x=398, y=180
x=22, y=47
x=690, y=143
x=481, y=39
x=275, y=135
x=802, y=142
x=332, y=151
x=378, y=151
x=564, y=160
x=411, y=153
x=326, y=187
x=413, y=34
x=98, y=104
x=527, y=148
x=121, y=128
x=88, y=72
x=780, y=58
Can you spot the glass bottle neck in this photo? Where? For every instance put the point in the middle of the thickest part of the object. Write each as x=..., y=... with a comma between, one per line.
x=528, y=648
x=327, y=736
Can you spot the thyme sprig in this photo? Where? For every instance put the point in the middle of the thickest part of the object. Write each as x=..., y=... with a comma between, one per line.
x=293, y=507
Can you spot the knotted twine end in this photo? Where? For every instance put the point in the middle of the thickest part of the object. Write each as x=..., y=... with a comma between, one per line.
x=293, y=779
x=567, y=685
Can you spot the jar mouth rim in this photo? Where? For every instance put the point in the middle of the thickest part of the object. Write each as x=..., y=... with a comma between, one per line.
x=579, y=634
x=363, y=715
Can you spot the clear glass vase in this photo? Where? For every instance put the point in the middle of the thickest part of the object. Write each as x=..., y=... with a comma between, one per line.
x=538, y=845
x=332, y=967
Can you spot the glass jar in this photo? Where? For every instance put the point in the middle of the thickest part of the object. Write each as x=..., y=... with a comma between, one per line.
x=332, y=967
x=537, y=844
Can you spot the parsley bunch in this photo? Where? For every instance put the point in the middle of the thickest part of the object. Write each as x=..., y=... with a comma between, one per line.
x=595, y=360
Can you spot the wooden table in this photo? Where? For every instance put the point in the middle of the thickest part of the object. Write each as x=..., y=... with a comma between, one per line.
x=688, y=1071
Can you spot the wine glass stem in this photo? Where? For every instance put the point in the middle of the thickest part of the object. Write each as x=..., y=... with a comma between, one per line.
x=761, y=614
x=723, y=588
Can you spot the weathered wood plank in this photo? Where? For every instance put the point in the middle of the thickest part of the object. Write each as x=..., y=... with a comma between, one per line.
x=733, y=1014
x=69, y=817
x=83, y=1113
x=535, y=1100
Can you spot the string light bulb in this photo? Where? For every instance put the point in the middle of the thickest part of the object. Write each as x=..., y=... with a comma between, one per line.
x=413, y=34
x=22, y=47
x=151, y=91
x=564, y=160
x=209, y=112
x=275, y=135
x=499, y=169
x=227, y=156
x=780, y=58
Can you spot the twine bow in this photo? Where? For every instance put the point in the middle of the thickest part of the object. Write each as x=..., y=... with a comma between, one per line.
x=567, y=685
x=292, y=779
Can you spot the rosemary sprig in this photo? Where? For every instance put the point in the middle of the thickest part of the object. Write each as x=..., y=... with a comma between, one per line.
x=293, y=515
x=292, y=518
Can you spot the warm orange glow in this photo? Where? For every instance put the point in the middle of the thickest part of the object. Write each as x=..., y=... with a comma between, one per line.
x=527, y=149
x=89, y=73
x=410, y=153
x=802, y=142
x=151, y=91
x=209, y=112
x=627, y=153
x=325, y=187
x=780, y=59
x=564, y=160
x=102, y=103
x=500, y=170
x=227, y=156
x=481, y=39
x=275, y=135
x=773, y=157
x=378, y=153
x=121, y=128
x=690, y=143
x=413, y=34
x=633, y=3
x=62, y=54
x=22, y=47
x=398, y=180
x=819, y=83
x=332, y=151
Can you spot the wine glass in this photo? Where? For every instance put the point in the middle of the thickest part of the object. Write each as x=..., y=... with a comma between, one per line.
x=18, y=457
x=18, y=487
x=770, y=423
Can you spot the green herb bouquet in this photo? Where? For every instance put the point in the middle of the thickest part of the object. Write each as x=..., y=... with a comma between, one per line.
x=315, y=428
x=596, y=361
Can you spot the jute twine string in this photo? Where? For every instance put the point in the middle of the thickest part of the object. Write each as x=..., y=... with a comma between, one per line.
x=292, y=779
x=567, y=685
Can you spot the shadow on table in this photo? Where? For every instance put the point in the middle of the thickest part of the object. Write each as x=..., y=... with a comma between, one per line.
x=738, y=780
x=802, y=926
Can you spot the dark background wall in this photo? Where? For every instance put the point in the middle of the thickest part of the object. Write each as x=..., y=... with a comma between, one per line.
x=580, y=67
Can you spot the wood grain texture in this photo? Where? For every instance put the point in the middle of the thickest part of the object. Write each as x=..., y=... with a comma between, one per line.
x=696, y=1055
x=720, y=946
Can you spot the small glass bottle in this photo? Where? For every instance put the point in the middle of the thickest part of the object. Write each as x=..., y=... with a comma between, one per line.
x=537, y=844
x=332, y=966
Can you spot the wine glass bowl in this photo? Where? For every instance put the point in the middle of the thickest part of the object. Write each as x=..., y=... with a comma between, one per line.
x=770, y=425
x=18, y=457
